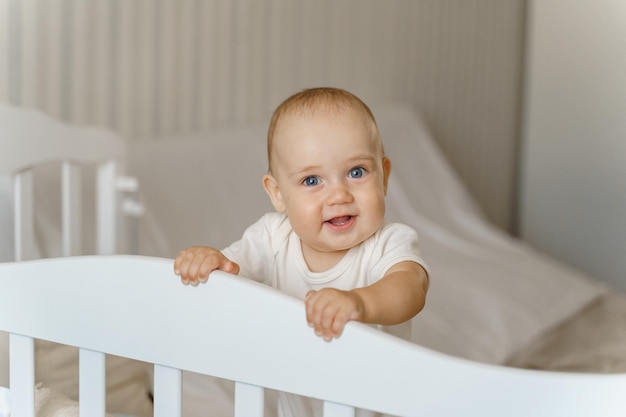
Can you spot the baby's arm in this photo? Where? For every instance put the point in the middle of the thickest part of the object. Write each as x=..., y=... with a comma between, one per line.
x=196, y=263
x=394, y=299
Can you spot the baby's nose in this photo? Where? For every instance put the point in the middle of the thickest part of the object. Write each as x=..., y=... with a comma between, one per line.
x=339, y=194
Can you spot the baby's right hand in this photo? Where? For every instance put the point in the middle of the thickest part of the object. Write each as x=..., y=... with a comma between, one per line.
x=196, y=263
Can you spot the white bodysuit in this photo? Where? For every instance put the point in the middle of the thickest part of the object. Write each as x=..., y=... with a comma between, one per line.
x=270, y=252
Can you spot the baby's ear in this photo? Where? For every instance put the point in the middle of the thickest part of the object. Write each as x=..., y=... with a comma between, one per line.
x=273, y=190
x=386, y=172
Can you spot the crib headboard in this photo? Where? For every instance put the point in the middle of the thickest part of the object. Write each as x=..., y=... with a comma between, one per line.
x=237, y=329
x=29, y=139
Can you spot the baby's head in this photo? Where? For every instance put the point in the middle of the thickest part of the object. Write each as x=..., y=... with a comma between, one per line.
x=327, y=169
x=319, y=101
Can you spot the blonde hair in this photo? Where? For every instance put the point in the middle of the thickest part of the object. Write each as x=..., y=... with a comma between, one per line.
x=313, y=100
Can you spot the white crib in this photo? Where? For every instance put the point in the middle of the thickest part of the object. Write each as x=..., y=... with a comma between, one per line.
x=231, y=328
x=239, y=330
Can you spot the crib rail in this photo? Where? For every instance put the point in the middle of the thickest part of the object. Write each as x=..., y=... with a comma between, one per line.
x=30, y=139
x=239, y=330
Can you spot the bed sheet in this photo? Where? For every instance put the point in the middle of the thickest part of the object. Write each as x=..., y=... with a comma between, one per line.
x=593, y=340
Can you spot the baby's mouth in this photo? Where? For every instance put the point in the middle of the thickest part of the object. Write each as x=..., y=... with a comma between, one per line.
x=339, y=221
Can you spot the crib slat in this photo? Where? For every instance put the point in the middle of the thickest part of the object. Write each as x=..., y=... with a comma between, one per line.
x=249, y=400
x=106, y=208
x=338, y=410
x=92, y=383
x=23, y=215
x=22, y=375
x=71, y=209
x=167, y=391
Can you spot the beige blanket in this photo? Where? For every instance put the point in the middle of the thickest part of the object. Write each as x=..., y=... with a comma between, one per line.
x=592, y=341
x=49, y=403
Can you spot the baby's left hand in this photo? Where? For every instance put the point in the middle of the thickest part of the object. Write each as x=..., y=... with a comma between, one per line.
x=328, y=310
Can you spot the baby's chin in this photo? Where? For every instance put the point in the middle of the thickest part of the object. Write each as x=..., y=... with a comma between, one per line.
x=344, y=246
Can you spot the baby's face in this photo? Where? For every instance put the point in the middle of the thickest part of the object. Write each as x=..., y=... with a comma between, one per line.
x=331, y=180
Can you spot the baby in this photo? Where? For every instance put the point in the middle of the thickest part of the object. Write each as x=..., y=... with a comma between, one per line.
x=328, y=242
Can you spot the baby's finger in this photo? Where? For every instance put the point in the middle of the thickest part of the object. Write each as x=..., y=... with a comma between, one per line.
x=333, y=322
x=199, y=268
x=182, y=263
x=307, y=307
x=322, y=318
x=189, y=267
x=339, y=323
x=178, y=261
x=231, y=267
x=315, y=305
x=204, y=269
x=327, y=319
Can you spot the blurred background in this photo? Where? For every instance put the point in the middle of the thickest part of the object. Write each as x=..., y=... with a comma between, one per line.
x=525, y=98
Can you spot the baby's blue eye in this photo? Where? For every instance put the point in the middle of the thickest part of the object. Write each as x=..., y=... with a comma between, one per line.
x=356, y=172
x=311, y=181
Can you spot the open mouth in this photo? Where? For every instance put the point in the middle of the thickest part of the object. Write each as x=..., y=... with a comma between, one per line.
x=340, y=221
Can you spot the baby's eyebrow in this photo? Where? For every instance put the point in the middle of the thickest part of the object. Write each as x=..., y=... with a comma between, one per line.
x=361, y=158
x=307, y=168
x=300, y=171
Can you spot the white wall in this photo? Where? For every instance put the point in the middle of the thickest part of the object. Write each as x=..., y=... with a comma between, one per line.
x=147, y=68
x=573, y=195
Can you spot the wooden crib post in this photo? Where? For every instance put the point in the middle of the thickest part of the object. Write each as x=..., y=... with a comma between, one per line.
x=22, y=375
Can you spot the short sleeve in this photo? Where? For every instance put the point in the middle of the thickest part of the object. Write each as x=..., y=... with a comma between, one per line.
x=251, y=251
x=255, y=252
x=394, y=243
